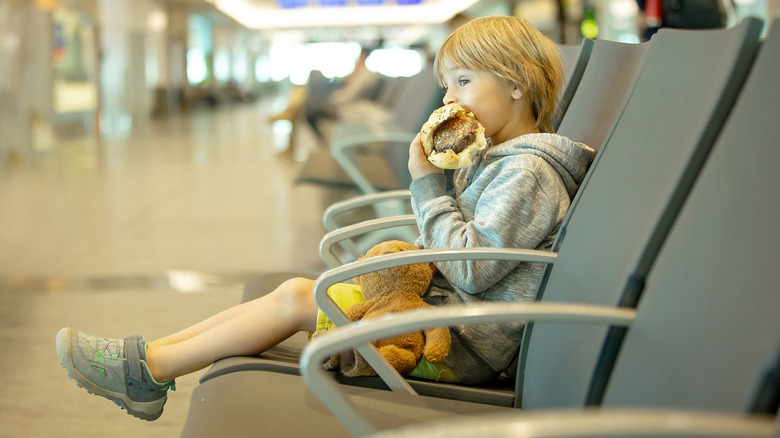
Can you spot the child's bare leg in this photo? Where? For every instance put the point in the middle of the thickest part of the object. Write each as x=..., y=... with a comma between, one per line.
x=247, y=329
x=136, y=375
x=232, y=312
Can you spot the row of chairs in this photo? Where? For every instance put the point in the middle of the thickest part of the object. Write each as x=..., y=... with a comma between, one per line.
x=660, y=294
x=401, y=106
x=361, y=154
x=592, y=114
x=367, y=150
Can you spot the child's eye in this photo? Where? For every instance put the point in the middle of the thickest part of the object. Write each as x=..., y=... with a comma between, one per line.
x=463, y=82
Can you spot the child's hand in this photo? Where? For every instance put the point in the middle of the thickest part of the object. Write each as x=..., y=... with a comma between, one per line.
x=418, y=162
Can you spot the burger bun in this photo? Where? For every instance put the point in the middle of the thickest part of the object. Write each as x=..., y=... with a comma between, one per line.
x=467, y=126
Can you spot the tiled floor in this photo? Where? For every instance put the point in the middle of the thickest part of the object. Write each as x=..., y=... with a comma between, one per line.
x=142, y=235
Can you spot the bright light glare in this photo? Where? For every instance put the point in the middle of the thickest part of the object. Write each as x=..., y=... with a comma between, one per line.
x=240, y=64
x=186, y=281
x=623, y=9
x=222, y=65
x=395, y=62
x=257, y=16
x=334, y=60
x=262, y=69
x=157, y=20
x=196, y=66
x=281, y=137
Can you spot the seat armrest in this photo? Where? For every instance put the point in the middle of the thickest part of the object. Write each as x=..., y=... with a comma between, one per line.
x=330, y=239
x=386, y=204
x=351, y=270
x=359, y=334
x=371, y=199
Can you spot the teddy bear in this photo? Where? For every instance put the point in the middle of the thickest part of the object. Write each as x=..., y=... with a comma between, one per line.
x=394, y=290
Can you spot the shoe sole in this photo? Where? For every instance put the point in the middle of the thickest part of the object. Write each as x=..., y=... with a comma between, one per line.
x=148, y=411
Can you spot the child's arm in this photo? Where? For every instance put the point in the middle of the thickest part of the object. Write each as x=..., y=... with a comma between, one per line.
x=511, y=212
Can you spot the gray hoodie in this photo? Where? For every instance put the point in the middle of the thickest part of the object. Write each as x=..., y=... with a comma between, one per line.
x=514, y=195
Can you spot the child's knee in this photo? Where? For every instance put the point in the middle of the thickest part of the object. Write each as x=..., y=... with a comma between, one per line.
x=296, y=297
x=298, y=285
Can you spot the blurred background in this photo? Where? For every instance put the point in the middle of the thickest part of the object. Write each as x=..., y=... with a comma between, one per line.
x=100, y=68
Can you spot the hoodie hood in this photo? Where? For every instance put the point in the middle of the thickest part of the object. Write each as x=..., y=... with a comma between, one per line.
x=569, y=158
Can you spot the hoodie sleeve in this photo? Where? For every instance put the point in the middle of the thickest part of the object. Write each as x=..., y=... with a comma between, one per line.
x=498, y=220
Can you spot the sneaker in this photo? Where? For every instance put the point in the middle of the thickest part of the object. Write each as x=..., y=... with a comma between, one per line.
x=115, y=369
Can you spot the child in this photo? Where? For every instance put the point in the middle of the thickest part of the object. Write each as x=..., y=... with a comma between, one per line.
x=514, y=195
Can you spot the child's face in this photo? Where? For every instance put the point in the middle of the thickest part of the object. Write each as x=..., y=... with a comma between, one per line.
x=491, y=101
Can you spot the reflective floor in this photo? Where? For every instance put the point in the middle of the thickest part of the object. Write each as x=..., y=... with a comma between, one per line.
x=140, y=235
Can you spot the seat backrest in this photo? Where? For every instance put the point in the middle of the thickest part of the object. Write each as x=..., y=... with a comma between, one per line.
x=417, y=100
x=575, y=60
x=643, y=172
x=708, y=329
x=391, y=89
x=412, y=108
x=606, y=84
x=575, y=57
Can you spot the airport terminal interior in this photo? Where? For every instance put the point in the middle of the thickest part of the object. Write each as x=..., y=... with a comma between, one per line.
x=155, y=155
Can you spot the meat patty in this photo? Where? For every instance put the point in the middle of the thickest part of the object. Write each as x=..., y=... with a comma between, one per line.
x=455, y=133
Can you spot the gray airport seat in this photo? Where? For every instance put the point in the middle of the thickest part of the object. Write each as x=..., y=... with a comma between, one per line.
x=367, y=172
x=670, y=142
x=705, y=335
x=606, y=83
x=574, y=59
x=732, y=52
x=610, y=80
x=598, y=105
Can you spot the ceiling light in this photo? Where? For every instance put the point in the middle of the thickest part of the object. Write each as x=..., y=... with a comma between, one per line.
x=255, y=16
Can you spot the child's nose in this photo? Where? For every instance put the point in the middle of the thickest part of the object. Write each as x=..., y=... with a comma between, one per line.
x=448, y=98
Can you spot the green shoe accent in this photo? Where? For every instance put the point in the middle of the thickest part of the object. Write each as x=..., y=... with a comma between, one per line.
x=99, y=359
x=171, y=384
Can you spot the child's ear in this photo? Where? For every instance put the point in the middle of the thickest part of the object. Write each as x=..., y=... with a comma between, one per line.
x=517, y=93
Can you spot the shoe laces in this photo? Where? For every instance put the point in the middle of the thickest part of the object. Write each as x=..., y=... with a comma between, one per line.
x=108, y=347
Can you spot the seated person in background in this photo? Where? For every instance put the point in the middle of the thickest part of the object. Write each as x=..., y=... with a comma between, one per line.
x=322, y=98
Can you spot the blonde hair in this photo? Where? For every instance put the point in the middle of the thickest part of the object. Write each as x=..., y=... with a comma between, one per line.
x=515, y=52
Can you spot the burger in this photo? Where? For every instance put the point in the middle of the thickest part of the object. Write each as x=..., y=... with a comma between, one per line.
x=452, y=136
